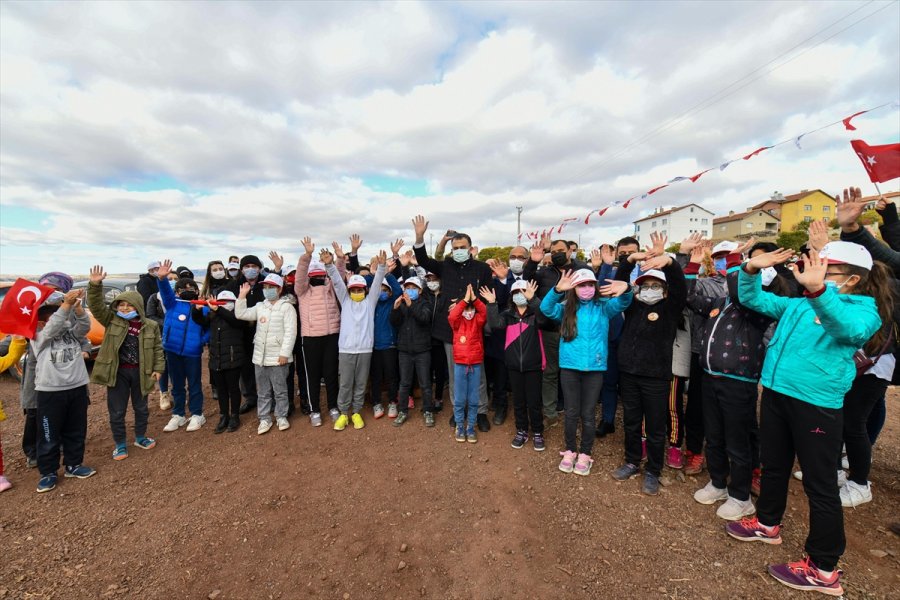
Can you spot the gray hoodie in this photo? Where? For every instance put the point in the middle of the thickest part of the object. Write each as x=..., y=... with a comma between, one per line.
x=57, y=348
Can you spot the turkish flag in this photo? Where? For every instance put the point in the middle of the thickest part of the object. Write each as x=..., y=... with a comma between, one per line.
x=882, y=163
x=19, y=311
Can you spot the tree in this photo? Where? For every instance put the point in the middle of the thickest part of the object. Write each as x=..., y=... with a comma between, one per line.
x=500, y=253
x=674, y=248
x=871, y=217
x=792, y=239
x=801, y=226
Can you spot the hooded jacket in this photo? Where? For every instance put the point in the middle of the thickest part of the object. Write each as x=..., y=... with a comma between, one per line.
x=181, y=334
x=523, y=341
x=413, y=324
x=468, y=334
x=320, y=314
x=57, y=348
x=357, y=334
x=276, y=329
x=150, y=352
x=385, y=333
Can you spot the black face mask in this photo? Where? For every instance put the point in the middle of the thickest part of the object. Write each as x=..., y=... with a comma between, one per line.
x=316, y=281
x=559, y=259
x=188, y=295
x=623, y=257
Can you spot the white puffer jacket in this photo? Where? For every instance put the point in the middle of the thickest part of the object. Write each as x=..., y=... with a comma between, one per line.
x=276, y=329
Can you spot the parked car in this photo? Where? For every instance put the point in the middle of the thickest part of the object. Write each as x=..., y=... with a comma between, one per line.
x=112, y=287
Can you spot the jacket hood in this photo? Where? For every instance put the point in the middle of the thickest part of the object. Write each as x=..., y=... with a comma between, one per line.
x=133, y=298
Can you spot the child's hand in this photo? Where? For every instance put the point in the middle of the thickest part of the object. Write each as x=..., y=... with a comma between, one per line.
x=245, y=289
x=326, y=257
x=164, y=269
x=658, y=241
x=396, y=247
x=157, y=375
x=71, y=298
x=276, y=259
x=18, y=337
x=614, y=288
x=531, y=290
x=769, y=259
x=212, y=304
x=565, y=282
x=657, y=262
x=355, y=243
x=97, y=274
x=308, y=246
x=282, y=360
x=818, y=235
x=744, y=248
x=399, y=300
x=637, y=256
x=689, y=243
x=338, y=251
x=406, y=299
x=607, y=254
x=488, y=294
x=813, y=275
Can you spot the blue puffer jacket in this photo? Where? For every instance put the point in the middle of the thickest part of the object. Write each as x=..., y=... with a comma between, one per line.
x=385, y=333
x=810, y=357
x=181, y=334
x=589, y=349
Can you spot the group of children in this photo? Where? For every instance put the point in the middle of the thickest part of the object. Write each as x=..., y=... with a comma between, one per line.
x=721, y=320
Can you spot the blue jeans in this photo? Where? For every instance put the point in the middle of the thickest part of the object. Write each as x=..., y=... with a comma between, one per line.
x=164, y=380
x=609, y=394
x=181, y=369
x=466, y=381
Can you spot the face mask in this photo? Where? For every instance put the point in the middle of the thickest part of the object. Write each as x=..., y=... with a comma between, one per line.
x=316, y=281
x=358, y=296
x=233, y=272
x=573, y=256
x=218, y=274
x=721, y=263
x=559, y=259
x=229, y=306
x=520, y=300
x=383, y=296
x=129, y=315
x=585, y=293
x=251, y=273
x=768, y=275
x=516, y=265
x=834, y=285
x=461, y=255
x=189, y=295
x=468, y=315
x=55, y=298
x=270, y=293
x=172, y=283
x=433, y=285
x=650, y=296
x=413, y=293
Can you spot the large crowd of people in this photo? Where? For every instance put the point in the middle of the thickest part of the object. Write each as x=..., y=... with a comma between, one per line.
x=681, y=341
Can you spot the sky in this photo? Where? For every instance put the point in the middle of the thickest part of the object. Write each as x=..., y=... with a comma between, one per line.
x=131, y=132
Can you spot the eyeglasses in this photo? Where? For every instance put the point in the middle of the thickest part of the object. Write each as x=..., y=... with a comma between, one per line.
x=652, y=286
x=511, y=257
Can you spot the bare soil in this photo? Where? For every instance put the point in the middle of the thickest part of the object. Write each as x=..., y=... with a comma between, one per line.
x=387, y=512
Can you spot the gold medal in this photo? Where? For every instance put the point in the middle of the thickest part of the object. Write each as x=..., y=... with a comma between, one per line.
x=714, y=313
x=652, y=317
x=462, y=339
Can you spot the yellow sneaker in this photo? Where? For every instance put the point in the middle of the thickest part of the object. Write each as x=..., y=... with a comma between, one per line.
x=358, y=422
x=341, y=423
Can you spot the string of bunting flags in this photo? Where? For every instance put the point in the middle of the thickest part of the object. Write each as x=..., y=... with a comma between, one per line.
x=846, y=122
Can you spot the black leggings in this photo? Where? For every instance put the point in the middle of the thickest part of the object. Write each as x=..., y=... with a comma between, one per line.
x=858, y=404
x=228, y=388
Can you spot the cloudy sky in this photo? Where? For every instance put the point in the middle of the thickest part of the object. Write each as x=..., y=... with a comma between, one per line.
x=135, y=131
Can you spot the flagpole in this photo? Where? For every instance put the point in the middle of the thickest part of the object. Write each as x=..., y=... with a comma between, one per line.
x=875, y=183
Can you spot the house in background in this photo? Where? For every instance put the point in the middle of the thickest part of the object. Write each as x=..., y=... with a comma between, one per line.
x=756, y=222
x=675, y=223
x=804, y=206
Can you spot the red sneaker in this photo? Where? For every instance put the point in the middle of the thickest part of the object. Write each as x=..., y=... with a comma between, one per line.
x=749, y=530
x=674, y=458
x=804, y=575
x=754, y=482
x=693, y=463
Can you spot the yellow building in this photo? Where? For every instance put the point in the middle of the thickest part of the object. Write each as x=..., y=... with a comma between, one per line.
x=759, y=223
x=805, y=206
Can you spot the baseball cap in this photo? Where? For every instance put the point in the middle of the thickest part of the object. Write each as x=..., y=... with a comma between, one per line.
x=583, y=276
x=847, y=253
x=356, y=281
x=519, y=285
x=415, y=281
x=226, y=295
x=651, y=274
x=273, y=279
x=153, y=265
x=726, y=247
x=316, y=269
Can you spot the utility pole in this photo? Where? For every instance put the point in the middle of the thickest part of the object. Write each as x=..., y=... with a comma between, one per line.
x=431, y=243
x=518, y=224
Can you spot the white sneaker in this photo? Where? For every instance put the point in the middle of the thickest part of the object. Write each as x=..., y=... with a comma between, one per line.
x=195, y=423
x=282, y=423
x=392, y=410
x=315, y=419
x=264, y=426
x=735, y=509
x=334, y=413
x=853, y=494
x=174, y=423
x=710, y=494
x=378, y=410
x=842, y=478
x=165, y=401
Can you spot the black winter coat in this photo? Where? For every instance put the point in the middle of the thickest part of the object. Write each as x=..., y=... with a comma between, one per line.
x=413, y=324
x=525, y=352
x=227, y=349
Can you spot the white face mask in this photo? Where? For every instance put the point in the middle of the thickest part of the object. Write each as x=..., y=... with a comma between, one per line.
x=519, y=299
x=468, y=315
x=229, y=306
x=573, y=256
x=218, y=274
x=516, y=265
x=768, y=275
x=433, y=285
x=650, y=296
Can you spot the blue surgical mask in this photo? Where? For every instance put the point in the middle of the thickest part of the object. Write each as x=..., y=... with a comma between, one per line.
x=519, y=299
x=461, y=255
x=413, y=293
x=251, y=273
x=721, y=263
x=383, y=296
x=270, y=293
x=129, y=315
x=835, y=286
x=172, y=283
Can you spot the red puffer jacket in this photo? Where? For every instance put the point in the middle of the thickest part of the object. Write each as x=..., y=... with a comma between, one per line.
x=468, y=336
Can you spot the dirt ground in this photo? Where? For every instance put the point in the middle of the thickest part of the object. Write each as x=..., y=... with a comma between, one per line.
x=393, y=513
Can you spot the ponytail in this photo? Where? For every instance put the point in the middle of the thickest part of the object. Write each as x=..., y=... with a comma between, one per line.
x=879, y=284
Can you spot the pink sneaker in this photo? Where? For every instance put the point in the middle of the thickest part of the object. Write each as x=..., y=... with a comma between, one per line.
x=412, y=403
x=674, y=458
x=567, y=464
x=4, y=483
x=583, y=465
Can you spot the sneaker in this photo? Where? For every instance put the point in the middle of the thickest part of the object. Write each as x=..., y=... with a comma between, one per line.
x=471, y=436
x=438, y=406
x=401, y=419
x=80, y=472
x=500, y=416
x=567, y=464
x=841, y=478
x=335, y=414
x=755, y=482
x=483, y=424
x=392, y=410
x=734, y=509
x=120, y=453
x=233, y=423
x=650, y=486
x=315, y=419
x=378, y=409
x=429, y=419
x=693, y=463
x=282, y=423
x=643, y=449
x=4, y=483
x=626, y=471
x=357, y=421
x=341, y=423
x=195, y=423
x=145, y=443
x=583, y=465
x=46, y=483
x=264, y=426
x=750, y=530
x=165, y=401
x=460, y=435
x=174, y=423
x=31, y=463
x=410, y=404
x=853, y=494
x=538, y=442
x=710, y=494
x=520, y=439
x=223, y=423
x=674, y=458
x=845, y=462
x=803, y=575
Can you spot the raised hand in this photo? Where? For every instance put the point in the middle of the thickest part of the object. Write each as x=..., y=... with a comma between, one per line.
x=657, y=262
x=635, y=257
x=396, y=247
x=537, y=252
x=277, y=260
x=245, y=289
x=596, y=259
x=849, y=209
x=391, y=265
x=698, y=253
x=326, y=257
x=614, y=288
x=546, y=240
x=658, y=244
x=744, y=248
x=813, y=275
x=338, y=251
x=690, y=242
x=500, y=270
x=164, y=268
x=97, y=274
x=470, y=294
x=769, y=259
x=72, y=297
x=565, y=282
x=399, y=300
x=488, y=294
x=407, y=258
x=355, y=243
x=378, y=259
x=818, y=235
x=607, y=254
x=420, y=226
x=531, y=290
x=308, y=246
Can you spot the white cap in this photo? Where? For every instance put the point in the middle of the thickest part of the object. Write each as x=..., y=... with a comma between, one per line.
x=273, y=279
x=726, y=246
x=652, y=273
x=356, y=281
x=226, y=295
x=415, y=281
x=234, y=266
x=316, y=268
x=154, y=265
x=288, y=270
x=582, y=276
x=847, y=253
x=519, y=285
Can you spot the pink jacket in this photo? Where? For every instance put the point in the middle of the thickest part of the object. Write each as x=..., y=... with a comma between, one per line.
x=320, y=313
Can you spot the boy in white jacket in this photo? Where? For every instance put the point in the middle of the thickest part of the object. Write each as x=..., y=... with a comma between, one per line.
x=357, y=337
x=273, y=348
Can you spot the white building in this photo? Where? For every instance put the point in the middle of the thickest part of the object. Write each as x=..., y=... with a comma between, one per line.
x=675, y=223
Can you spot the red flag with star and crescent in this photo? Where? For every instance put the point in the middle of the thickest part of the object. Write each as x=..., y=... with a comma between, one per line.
x=882, y=163
x=19, y=311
